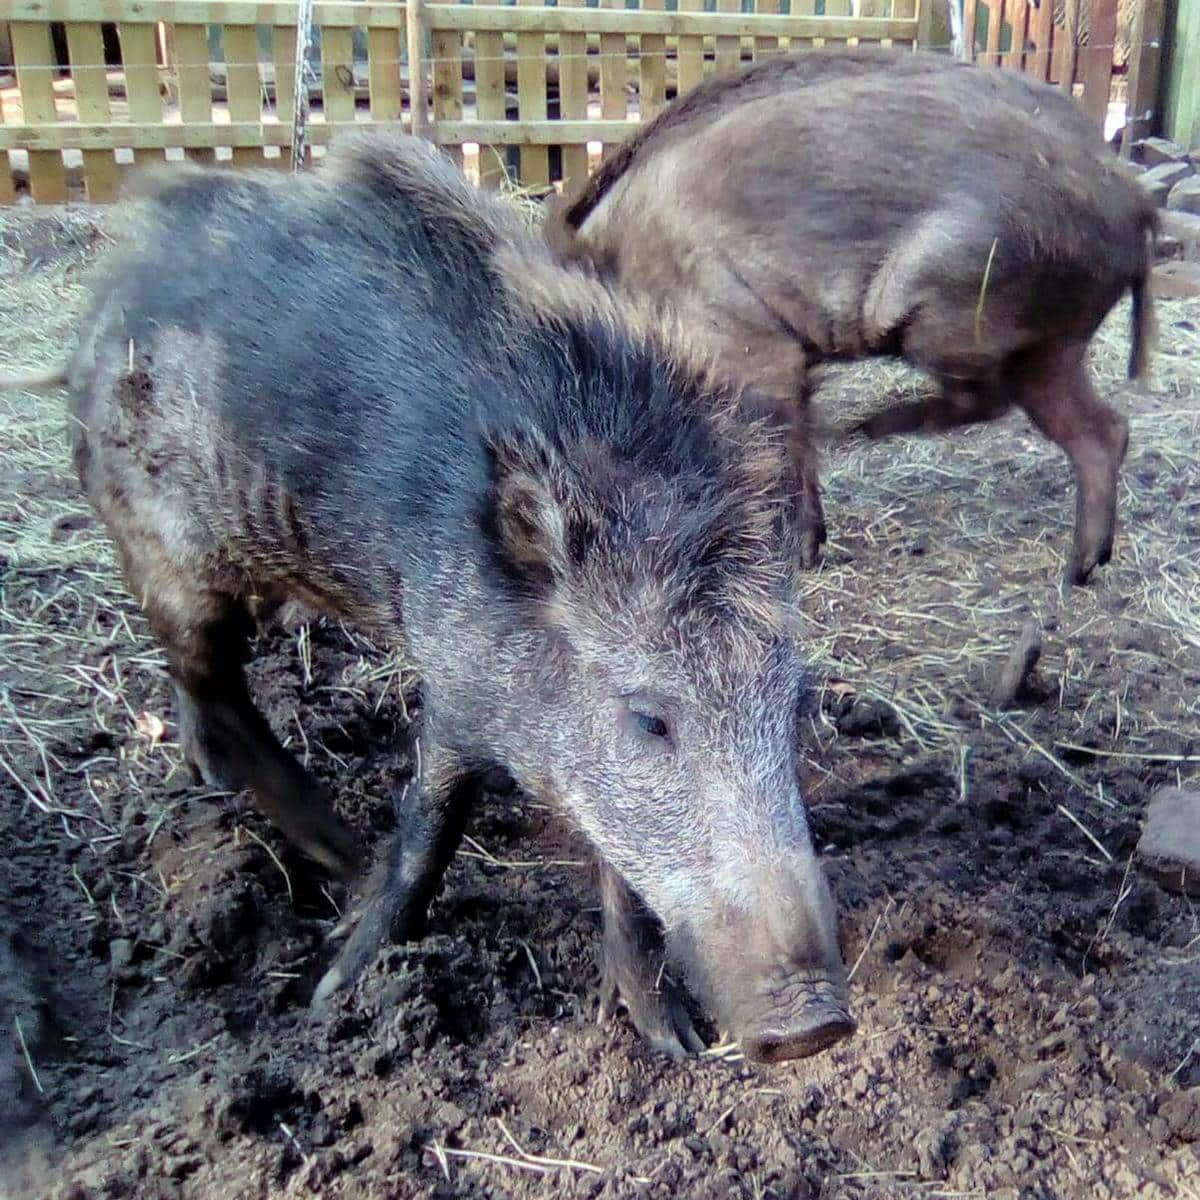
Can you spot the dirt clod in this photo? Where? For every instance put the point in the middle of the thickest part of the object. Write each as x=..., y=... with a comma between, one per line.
x=1169, y=848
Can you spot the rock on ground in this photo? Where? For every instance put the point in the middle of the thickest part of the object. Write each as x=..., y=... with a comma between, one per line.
x=1169, y=848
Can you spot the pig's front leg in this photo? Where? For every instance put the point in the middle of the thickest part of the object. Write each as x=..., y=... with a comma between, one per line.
x=431, y=814
x=633, y=977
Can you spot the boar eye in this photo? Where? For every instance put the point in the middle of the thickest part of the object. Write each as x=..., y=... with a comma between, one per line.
x=654, y=726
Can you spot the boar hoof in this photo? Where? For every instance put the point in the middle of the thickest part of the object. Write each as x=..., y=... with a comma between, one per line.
x=381, y=922
x=656, y=1011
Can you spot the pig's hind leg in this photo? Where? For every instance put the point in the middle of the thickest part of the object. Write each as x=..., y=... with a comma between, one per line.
x=1051, y=384
x=956, y=403
x=633, y=975
x=431, y=815
x=205, y=629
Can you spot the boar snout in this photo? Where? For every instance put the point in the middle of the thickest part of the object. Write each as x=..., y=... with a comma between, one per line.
x=772, y=961
x=797, y=1016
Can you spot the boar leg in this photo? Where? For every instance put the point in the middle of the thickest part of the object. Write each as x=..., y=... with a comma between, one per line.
x=959, y=402
x=632, y=975
x=1051, y=384
x=226, y=739
x=810, y=512
x=431, y=815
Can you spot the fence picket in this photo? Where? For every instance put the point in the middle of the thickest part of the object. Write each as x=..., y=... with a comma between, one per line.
x=491, y=102
x=244, y=89
x=85, y=48
x=448, y=82
x=531, y=98
x=652, y=82
x=690, y=51
x=33, y=56
x=139, y=52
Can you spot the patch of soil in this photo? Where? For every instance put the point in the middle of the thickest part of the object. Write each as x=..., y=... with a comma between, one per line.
x=1028, y=1002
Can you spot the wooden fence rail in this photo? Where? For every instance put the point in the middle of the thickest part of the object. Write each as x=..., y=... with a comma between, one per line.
x=521, y=89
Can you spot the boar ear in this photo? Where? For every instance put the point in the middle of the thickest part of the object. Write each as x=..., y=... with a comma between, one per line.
x=535, y=518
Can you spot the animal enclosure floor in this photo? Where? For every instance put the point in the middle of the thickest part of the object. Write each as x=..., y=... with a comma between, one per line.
x=1029, y=1001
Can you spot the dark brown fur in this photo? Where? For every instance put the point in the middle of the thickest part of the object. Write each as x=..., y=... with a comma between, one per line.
x=802, y=212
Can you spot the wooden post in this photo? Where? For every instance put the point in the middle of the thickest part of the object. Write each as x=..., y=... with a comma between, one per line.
x=924, y=15
x=285, y=53
x=1145, y=58
x=1183, y=77
x=418, y=96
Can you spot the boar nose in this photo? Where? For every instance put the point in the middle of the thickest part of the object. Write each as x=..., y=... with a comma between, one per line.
x=815, y=1028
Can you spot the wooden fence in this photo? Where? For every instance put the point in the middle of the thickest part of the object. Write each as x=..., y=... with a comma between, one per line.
x=522, y=88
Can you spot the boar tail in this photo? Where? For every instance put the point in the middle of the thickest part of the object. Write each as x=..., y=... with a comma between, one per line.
x=36, y=381
x=1142, y=314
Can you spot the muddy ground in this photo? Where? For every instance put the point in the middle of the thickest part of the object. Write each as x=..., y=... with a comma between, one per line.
x=1029, y=1000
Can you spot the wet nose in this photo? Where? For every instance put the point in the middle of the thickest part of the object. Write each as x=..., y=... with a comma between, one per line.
x=815, y=1028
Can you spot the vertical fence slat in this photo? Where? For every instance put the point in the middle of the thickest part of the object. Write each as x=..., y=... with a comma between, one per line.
x=866, y=8
x=490, y=102
x=85, y=47
x=195, y=85
x=337, y=73
x=448, y=82
x=283, y=52
x=727, y=51
x=242, y=85
x=834, y=8
x=1145, y=60
x=33, y=56
x=690, y=52
x=384, y=83
x=910, y=9
x=1070, y=48
x=764, y=46
x=802, y=8
x=8, y=192
x=1097, y=66
x=652, y=76
x=139, y=52
x=970, y=12
x=613, y=69
x=991, y=54
x=1041, y=34
x=1017, y=13
x=531, y=99
x=414, y=35
x=572, y=103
